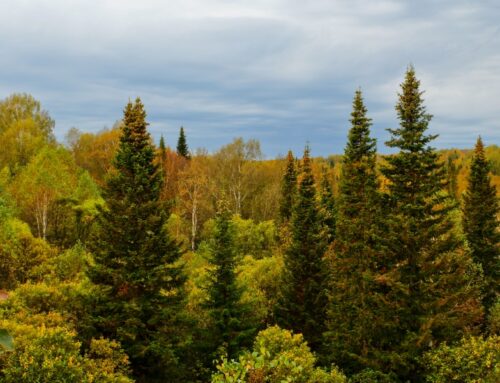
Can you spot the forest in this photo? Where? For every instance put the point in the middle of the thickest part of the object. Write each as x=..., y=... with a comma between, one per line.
x=125, y=260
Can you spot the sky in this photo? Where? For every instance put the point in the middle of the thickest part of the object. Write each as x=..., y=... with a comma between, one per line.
x=282, y=72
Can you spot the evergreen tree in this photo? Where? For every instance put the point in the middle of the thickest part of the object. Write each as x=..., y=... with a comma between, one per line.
x=357, y=327
x=231, y=330
x=182, y=147
x=430, y=278
x=288, y=188
x=327, y=204
x=480, y=222
x=135, y=270
x=301, y=306
x=162, y=144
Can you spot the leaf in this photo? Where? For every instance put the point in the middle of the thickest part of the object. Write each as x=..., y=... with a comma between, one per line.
x=6, y=342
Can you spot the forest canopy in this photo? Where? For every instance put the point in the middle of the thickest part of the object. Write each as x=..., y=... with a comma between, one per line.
x=127, y=261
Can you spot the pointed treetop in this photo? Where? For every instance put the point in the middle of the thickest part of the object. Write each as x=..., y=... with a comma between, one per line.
x=359, y=142
x=182, y=147
x=479, y=149
x=162, y=143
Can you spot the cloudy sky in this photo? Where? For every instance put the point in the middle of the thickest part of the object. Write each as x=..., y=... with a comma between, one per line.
x=281, y=71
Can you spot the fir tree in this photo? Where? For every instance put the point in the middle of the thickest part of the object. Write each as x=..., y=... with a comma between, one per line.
x=429, y=276
x=135, y=267
x=301, y=307
x=357, y=326
x=327, y=204
x=231, y=330
x=288, y=188
x=480, y=212
x=182, y=147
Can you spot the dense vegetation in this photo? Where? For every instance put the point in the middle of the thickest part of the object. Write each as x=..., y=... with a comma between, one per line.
x=122, y=261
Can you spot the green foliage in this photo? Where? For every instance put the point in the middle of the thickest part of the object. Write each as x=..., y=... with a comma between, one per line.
x=260, y=280
x=6, y=341
x=47, y=351
x=135, y=260
x=359, y=320
x=372, y=376
x=231, y=329
x=474, y=359
x=288, y=188
x=278, y=356
x=480, y=222
x=22, y=256
x=302, y=302
x=430, y=279
x=182, y=146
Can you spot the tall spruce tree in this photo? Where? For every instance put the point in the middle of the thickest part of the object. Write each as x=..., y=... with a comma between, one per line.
x=288, y=188
x=232, y=330
x=135, y=270
x=358, y=330
x=182, y=146
x=327, y=207
x=430, y=278
x=301, y=306
x=480, y=222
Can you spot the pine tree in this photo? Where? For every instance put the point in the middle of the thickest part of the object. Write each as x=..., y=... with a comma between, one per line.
x=327, y=205
x=288, y=188
x=301, y=306
x=480, y=222
x=357, y=327
x=182, y=147
x=231, y=330
x=135, y=270
x=429, y=277
x=162, y=144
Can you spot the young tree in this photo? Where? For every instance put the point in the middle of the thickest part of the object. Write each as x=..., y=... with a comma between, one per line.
x=327, y=207
x=357, y=327
x=231, y=330
x=301, y=307
x=430, y=279
x=480, y=222
x=135, y=262
x=288, y=188
x=182, y=146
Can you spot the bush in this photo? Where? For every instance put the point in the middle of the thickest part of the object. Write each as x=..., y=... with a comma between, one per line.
x=474, y=359
x=278, y=356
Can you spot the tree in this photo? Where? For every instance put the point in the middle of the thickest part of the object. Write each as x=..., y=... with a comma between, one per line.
x=136, y=266
x=302, y=304
x=357, y=326
x=480, y=222
x=182, y=147
x=277, y=356
x=231, y=330
x=288, y=188
x=430, y=279
x=235, y=173
x=327, y=207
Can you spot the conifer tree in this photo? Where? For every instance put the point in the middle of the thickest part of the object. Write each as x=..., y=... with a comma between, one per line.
x=182, y=146
x=357, y=325
x=288, y=188
x=162, y=144
x=231, y=330
x=135, y=270
x=430, y=279
x=480, y=222
x=328, y=211
x=301, y=306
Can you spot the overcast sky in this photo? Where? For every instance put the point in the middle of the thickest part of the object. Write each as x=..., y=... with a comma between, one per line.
x=281, y=71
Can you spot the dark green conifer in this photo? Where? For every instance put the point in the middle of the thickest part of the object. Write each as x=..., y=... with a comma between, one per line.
x=430, y=279
x=135, y=269
x=288, y=188
x=231, y=329
x=480, y=222
x=328, y=211
x=301, y=306
x=182, y=146
x=357, y=326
